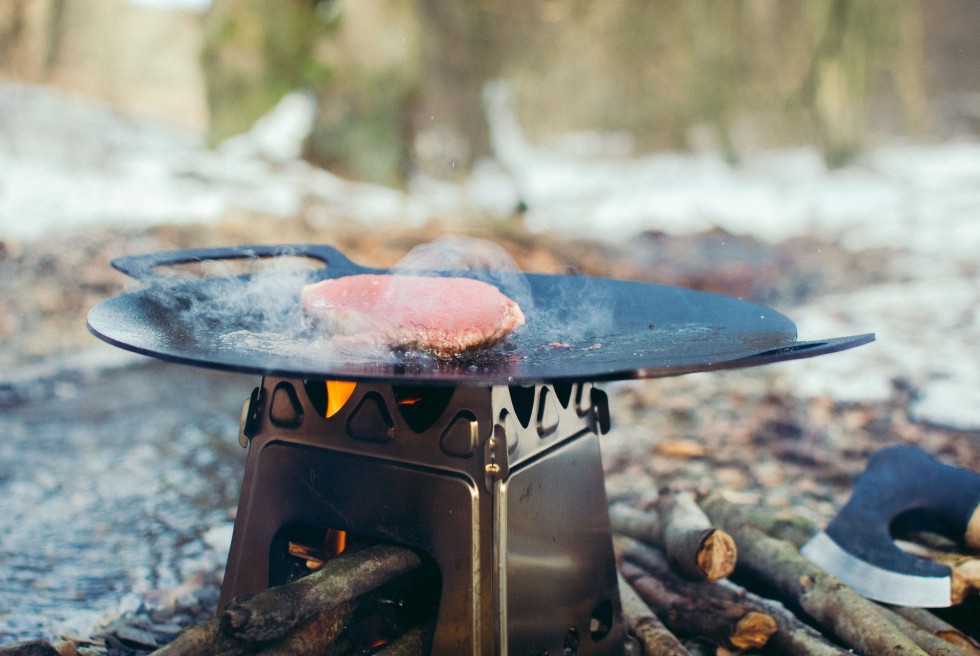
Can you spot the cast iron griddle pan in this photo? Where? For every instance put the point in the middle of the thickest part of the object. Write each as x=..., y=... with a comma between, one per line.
x=578, y=328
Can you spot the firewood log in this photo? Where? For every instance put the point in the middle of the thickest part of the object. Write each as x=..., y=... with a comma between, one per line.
x=931, y=644
x=313, y=637
x=687, y=607
x=270, y=614
x=655, y=638
x=792, y=638
x=302, y=615
x=204, y=638
x=695, y=547
x=938, y=627
x=729, y=626
x=414, y=642
x=700, y=647
x=852, y=618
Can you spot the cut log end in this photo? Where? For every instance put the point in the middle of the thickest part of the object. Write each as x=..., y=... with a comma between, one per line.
x=753, y=631
x=717, y=556
x=960, y=587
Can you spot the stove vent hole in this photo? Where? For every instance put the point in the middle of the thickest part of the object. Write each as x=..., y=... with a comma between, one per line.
x=564, y=393
x=316, y=391
x=523, y=400
x=571, y=642
x=602, y=621
x=421, y=406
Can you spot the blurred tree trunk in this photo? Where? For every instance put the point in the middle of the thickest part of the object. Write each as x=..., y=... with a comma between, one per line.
x=254, y=53
x=28, y=30
x=862, y=41
x=399, y=81
x=140, y=59
x=364, y=127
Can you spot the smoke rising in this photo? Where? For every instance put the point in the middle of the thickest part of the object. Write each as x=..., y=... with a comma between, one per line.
x=217, y=308
x=573, y=310
x=473, y=258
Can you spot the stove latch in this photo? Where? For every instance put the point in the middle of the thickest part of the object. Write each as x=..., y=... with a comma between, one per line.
x=251, y=414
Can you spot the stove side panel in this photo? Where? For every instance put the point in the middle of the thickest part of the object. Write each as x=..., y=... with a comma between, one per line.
x=557, y=573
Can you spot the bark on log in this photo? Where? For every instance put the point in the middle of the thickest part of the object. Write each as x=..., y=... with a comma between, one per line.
x=299, y=617
x=270, y=614
x=643, y=525
x=792, y=637
x=689, y=607
x=730, y=626
x=655, y=638
x=700, y=647
x=938, y=627
x=852, y=618
x=966, y=567
x=695, y=547
x=797, y=530
x=312, y=638
x=931, y=644
x=204, y=638
x=412, y=643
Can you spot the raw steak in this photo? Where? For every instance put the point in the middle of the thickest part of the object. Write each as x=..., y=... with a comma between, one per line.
x=445, y=316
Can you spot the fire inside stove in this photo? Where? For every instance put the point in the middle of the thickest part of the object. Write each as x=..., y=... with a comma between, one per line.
x=382, y=615
x=500, y=489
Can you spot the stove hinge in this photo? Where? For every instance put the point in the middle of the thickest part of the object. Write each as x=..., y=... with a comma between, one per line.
x=495, y=461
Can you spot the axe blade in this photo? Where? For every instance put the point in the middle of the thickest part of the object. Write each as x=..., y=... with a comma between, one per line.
x=857, y=546
x=878, y=583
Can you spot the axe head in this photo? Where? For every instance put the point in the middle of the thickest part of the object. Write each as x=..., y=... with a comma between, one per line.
x=857, y=546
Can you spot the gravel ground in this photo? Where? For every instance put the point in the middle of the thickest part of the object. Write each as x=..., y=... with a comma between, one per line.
x=88, y=432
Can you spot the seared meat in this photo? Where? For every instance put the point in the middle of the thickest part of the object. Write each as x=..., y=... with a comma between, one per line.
x=445, y=316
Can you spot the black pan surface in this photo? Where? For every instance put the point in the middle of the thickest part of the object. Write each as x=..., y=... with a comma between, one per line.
x=578, y=328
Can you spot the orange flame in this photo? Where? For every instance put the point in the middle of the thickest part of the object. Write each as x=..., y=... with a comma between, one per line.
x=338, y=393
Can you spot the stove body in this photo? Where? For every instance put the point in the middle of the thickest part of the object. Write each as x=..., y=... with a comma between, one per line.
x=501, y=486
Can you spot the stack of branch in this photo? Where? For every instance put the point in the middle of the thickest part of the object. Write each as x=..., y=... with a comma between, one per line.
x=304, y=617
x=674, y=604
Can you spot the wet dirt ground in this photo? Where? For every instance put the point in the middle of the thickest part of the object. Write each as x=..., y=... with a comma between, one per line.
x=118, y=489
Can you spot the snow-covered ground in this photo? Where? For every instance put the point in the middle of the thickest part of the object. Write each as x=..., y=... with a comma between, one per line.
x=65, y=166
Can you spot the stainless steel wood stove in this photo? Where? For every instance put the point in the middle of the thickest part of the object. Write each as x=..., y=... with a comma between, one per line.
x=501, y=486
